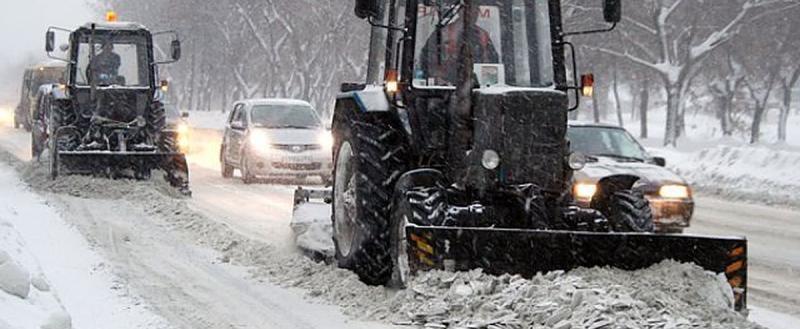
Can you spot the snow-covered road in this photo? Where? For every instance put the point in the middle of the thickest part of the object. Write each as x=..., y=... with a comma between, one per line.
x=174, y=267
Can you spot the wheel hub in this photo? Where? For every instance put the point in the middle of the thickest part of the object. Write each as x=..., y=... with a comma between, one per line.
x=345, y=200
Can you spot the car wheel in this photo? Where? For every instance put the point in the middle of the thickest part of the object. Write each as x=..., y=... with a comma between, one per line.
x=226, y=169
x=247, y=175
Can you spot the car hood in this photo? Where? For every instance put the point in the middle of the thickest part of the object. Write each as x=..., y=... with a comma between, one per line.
x=291, y=136
x=604, y=167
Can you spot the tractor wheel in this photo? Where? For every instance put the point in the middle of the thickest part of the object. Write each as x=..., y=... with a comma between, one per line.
x=156, y=122
x=226, y=169
x=422, y=206
x=629, y=211
x=369, y=158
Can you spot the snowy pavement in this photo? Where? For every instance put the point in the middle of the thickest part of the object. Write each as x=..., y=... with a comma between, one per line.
x=224, y=258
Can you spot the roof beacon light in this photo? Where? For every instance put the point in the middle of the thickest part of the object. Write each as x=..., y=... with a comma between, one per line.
x=111, y=16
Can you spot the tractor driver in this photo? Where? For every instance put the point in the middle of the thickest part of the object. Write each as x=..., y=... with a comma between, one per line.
x=105, y=65
x=440, y=60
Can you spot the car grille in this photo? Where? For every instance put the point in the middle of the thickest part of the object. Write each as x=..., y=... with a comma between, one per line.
x=296, y=148
x=297, y=166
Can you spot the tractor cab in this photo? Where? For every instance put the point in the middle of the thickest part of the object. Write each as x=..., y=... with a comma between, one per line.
x=108, y=116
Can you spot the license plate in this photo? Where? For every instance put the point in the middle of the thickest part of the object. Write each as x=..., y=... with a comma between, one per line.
x=297, y=159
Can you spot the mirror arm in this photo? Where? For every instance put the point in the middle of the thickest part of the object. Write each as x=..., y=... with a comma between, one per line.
x=389, y=27
x=609, y=29
x=575, y=88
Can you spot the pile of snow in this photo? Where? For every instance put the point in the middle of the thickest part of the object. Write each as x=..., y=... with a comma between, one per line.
x=667, y=295
x=25, y=295
x=760, y=173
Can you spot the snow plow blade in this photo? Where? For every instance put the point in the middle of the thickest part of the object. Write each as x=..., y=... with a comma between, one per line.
x=116, y=164
x=527, y=252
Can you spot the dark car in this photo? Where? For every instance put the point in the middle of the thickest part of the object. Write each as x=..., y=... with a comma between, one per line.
x=611, y=150
x=33, y=78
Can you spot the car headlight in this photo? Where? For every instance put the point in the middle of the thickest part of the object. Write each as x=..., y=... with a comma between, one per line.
x=259, y=141
x=585, y=190
x=326, y=141
x=674, y=192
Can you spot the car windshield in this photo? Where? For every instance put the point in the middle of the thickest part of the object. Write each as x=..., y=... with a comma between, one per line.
x=117, y=61
x=511, y=44
x=605, y=141
x=284, y=116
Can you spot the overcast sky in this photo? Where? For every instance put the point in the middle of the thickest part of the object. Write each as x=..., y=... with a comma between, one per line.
x=22, y=27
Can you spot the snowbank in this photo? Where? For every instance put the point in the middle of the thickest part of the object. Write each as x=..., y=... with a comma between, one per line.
x=49, y=276
x=762, y=173
x=26, y=300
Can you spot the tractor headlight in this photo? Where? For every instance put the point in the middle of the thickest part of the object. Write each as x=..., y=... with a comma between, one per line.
x=490, y=159
x=258, y=141
x=576, y=161
x=326, y=141
x=183, y=137
x=674, y=191
x=584, y=190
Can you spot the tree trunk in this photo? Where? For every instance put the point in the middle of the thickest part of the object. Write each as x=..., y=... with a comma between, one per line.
x=755, y=128
x=617, y=102
x=644, y=100
x=673, y=108
x=784, y=115
x=634, y=103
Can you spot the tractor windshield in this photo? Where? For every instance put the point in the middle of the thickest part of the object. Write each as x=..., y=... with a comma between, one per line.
x=117, y=61
x=511, y=45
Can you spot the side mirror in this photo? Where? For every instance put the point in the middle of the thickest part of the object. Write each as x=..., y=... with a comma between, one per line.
x=659, y=161
x=369, y=9
x=237, y=125
x=176, y=50
x=50, y=41
x=612, y=11
x=184, y=114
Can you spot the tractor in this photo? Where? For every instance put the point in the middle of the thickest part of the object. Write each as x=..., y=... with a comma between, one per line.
x=108, y=117
x=453, y=154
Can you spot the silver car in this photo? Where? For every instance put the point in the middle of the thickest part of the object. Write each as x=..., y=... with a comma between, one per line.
x=275, y=138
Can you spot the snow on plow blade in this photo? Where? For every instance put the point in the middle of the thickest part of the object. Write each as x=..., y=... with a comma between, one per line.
x=527, y=252
x=115, y=163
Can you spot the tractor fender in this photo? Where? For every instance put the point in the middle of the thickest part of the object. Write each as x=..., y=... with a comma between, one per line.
x=607, y=186
x=370, y=99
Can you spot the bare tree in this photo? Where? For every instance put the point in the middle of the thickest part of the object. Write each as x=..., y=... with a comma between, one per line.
x=667, y=38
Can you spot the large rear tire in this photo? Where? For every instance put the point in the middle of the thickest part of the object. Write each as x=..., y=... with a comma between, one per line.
x=629, y=211
x=369, y=159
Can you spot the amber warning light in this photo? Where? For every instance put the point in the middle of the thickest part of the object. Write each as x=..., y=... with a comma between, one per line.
x=111, y=16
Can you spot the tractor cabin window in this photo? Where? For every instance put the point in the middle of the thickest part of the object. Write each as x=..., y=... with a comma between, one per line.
x=115, y=62
x=511, y=46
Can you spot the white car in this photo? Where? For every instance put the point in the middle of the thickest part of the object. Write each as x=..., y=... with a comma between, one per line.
x=275, y=138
